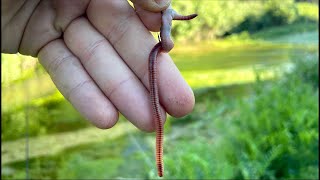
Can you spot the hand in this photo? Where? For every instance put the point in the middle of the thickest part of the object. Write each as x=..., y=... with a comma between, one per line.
x=96, y=53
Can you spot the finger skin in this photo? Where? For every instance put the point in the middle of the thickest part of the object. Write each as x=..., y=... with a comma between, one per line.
x=67, y=11
x=14, y=18
x=111, y=74
x=28, y=25
x=151, y=20
x=40, y=29
x=76, y=85
x=123, y=29
x=153, y=5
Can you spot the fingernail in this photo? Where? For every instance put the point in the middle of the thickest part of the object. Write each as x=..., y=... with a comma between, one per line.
x=163, y=2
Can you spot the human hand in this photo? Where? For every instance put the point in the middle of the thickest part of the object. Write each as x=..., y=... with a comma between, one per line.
x=96, y=53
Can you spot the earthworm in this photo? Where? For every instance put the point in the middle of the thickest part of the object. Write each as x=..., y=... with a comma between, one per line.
x=165, y=44
x=154, y=96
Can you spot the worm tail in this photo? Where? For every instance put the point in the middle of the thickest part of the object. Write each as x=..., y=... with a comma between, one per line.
x=181, y=17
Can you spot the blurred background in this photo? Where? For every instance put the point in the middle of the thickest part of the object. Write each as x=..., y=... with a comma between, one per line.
x=253, y=66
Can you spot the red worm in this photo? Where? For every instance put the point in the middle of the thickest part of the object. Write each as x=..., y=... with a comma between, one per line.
x=165, y=45
x=154, y=95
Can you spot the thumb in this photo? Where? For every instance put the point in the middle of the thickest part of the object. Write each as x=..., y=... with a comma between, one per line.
x=152, y=5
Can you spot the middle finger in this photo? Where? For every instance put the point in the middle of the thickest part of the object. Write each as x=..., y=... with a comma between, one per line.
x=111, y=74
x=118, y=22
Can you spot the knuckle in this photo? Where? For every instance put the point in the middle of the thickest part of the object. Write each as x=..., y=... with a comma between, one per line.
x=59, y=61
x=90, y=50
x=78, y=86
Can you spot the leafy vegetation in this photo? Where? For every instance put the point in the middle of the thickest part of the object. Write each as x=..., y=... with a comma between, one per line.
x=216, y=21
x=50, y=114
x=18, y=68
x=271, y=134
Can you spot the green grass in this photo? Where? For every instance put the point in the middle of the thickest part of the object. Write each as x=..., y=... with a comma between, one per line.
x=69, y=152
x=47, y=115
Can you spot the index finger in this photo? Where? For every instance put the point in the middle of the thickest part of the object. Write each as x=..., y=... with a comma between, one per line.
x=119, y=23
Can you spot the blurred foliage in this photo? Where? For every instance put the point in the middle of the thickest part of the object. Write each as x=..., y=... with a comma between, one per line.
x=215, y=19
x=272, y=134
x=18, y=68
x=79, y=162
x=276, y=13
x=309, y=1
x=46, y=115
x=308, y=11
x=79, y=165
x=307, y=69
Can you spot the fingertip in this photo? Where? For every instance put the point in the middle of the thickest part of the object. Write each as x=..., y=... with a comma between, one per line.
x=148, y=129
x=183, y=104
x=105, y=120
x=101, y=113
x=93, y=105
x=175, y=94
x=153, y=5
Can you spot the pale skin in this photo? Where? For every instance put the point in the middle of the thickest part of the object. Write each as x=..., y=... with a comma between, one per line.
x=96, y=52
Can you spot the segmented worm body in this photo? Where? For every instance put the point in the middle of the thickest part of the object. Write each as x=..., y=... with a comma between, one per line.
x=154, y=96
x=165, y=44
